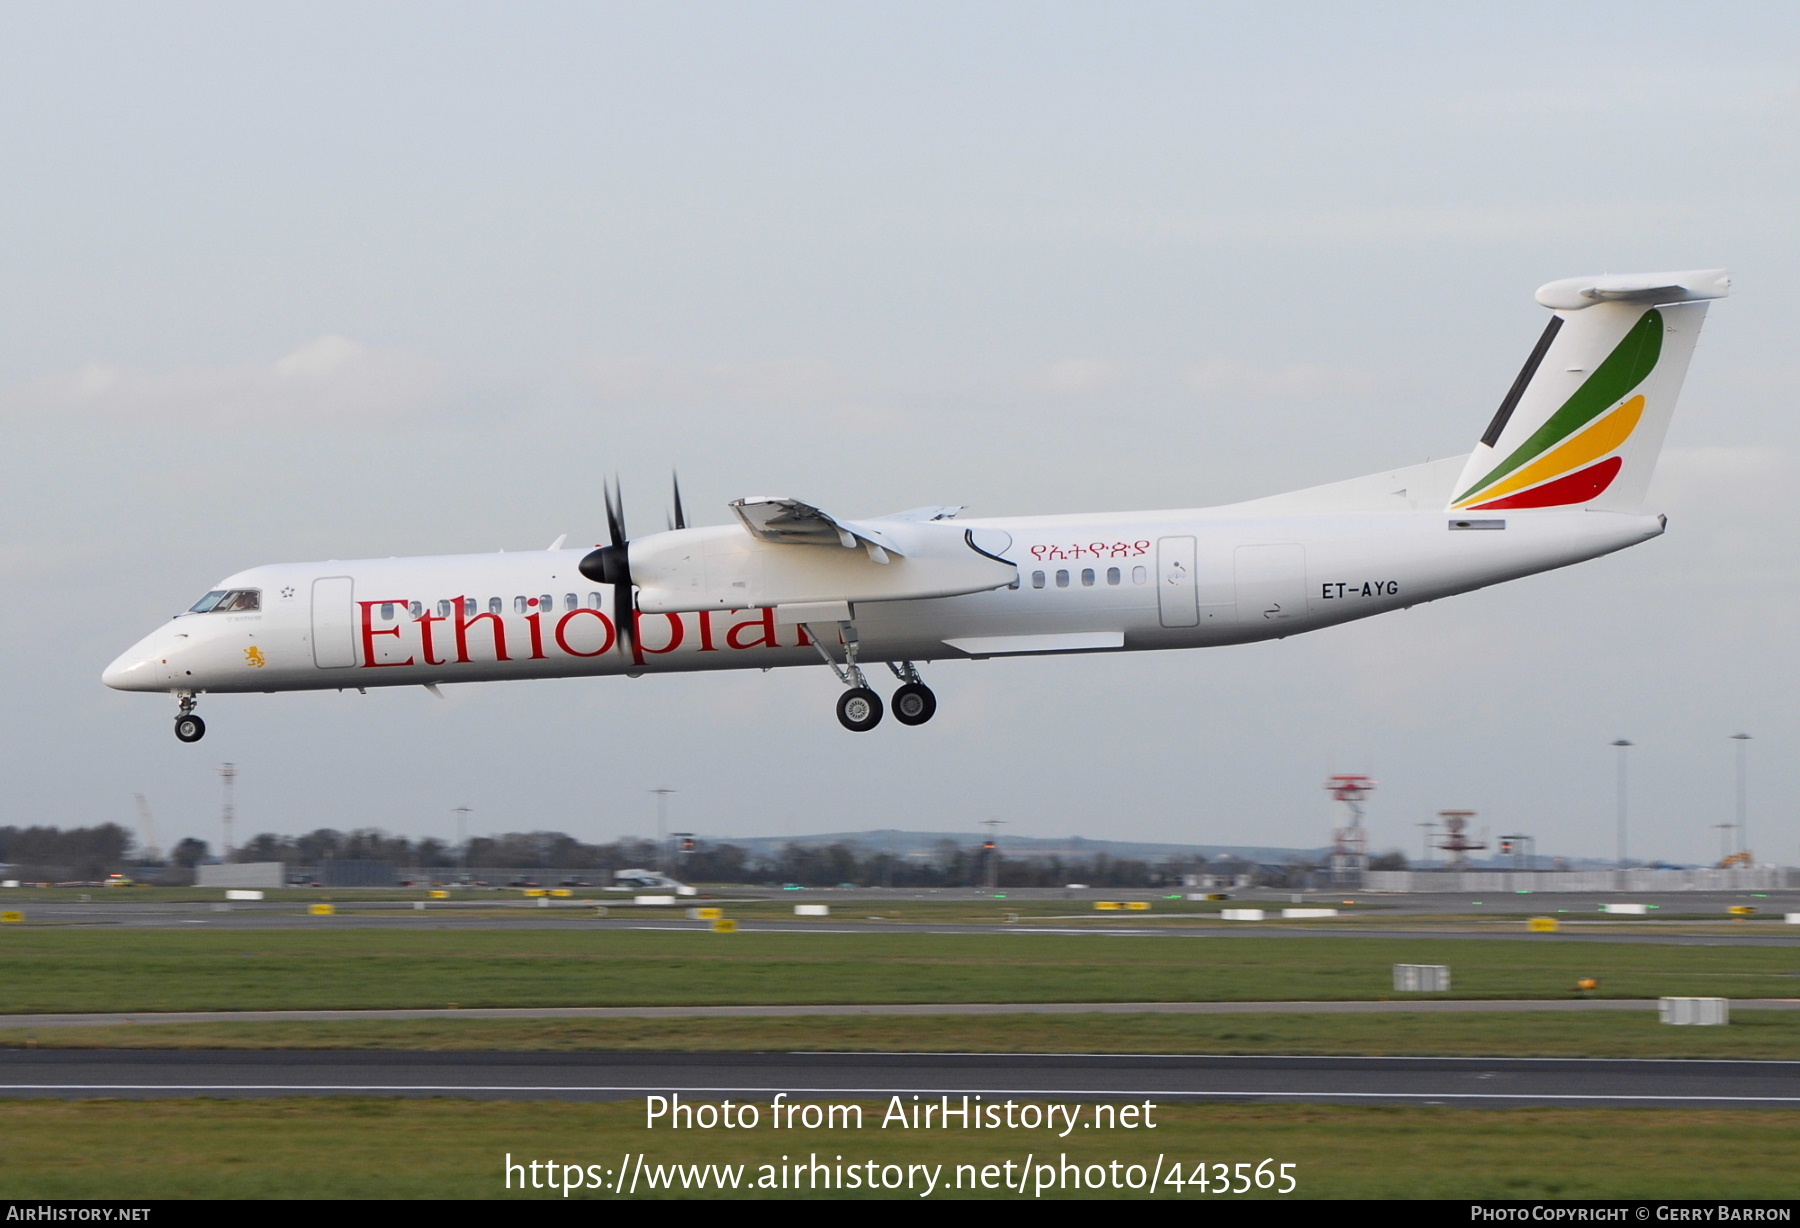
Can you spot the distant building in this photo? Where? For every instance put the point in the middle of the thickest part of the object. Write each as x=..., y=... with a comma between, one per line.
x=242, y=874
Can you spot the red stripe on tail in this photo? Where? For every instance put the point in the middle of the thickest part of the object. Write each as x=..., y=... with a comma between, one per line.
x=1579, y=487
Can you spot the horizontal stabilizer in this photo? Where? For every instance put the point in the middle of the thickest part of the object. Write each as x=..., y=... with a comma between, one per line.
x=1574, y=293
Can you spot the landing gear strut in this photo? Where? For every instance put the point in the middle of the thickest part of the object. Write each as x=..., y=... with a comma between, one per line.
x=859, y=708
x=914, y=703
x=188, y=727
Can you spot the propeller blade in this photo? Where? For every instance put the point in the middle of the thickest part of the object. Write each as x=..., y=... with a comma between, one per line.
x=625, y=616
x=680, y=516
x=615, y=512
x=612, y=565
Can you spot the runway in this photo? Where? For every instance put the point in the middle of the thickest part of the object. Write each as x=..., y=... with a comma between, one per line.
x=1460, y=1082
x=579, y=916
x=1434, y=1006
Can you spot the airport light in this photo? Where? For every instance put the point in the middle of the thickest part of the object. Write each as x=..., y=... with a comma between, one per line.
x=1743, y=835
x=1622, y=745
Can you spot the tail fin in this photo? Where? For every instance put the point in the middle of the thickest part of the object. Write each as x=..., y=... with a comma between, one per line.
x=1585, y=420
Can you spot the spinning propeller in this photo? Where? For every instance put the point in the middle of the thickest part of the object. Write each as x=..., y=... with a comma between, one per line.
x=611, y=564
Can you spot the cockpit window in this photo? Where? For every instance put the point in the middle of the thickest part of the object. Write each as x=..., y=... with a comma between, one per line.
x=229, y=601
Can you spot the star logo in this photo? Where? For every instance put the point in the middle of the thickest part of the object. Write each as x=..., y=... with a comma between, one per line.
x=287, y=592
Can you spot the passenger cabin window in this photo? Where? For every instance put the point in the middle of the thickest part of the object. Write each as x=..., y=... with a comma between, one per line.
x=594, y=602
x=443, y=609
x=1112, y=575
x=546, y=603
x=571, y=602
x=387, y=611
x=1139, y=575
x=229, y=601
x=518, y=605
x=468, y=607
x=418, y=609
x=1037, y=579
x=495, y=605
x=1087, y=577
x=1062, y=579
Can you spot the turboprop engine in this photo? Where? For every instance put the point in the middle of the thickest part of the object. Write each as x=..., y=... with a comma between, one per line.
x=807, y=565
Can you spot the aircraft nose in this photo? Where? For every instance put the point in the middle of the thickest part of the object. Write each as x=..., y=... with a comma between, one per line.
x=145, y=665
x=134, y=671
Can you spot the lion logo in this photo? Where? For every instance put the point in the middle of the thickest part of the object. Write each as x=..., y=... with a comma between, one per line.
x=254, y=656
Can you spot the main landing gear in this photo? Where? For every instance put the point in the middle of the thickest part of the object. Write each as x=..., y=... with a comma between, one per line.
x=188, y=727
x=914, y=703
x=859, y=708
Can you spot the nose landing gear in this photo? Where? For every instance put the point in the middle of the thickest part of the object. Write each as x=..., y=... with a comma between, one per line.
x=188, y=727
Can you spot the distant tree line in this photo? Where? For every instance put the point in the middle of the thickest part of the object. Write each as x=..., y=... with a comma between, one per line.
x=55, y=853
x=948, y=865
x=94, y=852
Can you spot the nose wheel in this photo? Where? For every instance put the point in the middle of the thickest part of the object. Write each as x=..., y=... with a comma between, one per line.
x=188, y=727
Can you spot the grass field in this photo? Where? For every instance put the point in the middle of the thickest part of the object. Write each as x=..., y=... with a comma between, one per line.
x=1752, y=1034
x=367, y=1148
x=93, y=969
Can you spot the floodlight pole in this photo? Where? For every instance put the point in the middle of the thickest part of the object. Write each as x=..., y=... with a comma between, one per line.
x=1743, y=741
x=993, y=854
x=227, y=816
x=1622, y=746
x=462, y=835
x=662, y=825
x=1725, y=830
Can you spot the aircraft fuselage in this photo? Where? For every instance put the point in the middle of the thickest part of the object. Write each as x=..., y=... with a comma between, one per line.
x=1114, y=582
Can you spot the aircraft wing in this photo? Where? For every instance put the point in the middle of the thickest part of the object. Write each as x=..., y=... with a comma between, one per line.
x=789, y=522
x=908, y=556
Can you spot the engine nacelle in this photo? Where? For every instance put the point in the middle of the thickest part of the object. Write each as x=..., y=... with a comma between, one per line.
x=723, y=567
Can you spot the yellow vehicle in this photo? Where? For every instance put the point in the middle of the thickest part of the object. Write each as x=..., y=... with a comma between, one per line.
x=120, y=880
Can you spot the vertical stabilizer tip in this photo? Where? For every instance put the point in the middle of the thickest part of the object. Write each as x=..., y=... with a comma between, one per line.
x=1574, y=293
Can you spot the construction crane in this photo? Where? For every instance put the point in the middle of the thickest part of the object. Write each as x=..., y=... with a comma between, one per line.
x=1745, y=859
x=152, y=851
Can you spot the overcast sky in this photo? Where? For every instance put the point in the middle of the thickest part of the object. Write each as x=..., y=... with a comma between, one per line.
x=292, y=281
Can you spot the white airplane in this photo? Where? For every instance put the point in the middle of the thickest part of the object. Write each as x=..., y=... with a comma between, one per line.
x=1559, y=476
x=647, y=880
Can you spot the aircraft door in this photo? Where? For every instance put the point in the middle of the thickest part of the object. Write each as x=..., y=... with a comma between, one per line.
x=334, y=622
x=1177, y=595
x=1271, y=583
